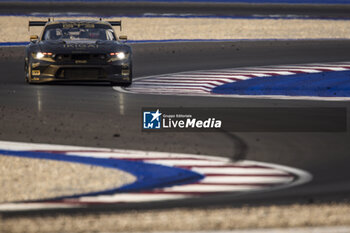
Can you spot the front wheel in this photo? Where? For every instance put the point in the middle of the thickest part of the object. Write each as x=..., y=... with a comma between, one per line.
x=124, y=84
x=27, y=73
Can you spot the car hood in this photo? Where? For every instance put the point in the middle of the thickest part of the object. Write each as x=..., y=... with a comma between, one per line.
x=81, y=46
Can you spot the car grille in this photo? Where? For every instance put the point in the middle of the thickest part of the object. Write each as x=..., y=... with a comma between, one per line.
x=80, y=56
x=71, y=58
x=80, y=73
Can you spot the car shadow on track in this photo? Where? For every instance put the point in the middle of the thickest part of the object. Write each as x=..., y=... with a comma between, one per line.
x=76, y=83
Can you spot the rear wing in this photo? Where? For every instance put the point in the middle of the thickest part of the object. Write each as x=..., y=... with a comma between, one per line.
x=37, y=24
x=43, y=23
x=116, y=23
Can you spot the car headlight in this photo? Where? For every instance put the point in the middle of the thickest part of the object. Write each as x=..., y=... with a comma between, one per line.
x=121, y=55
x=44, y=56
x=118, y=56
x=39, y=55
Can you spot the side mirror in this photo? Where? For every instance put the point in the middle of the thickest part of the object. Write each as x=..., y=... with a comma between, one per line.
x=34, y=38
x=123, y=38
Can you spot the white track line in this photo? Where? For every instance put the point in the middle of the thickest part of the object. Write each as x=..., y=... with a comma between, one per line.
x=246, y=179
x=230, y=171
x=131, y=197
x=199, y=188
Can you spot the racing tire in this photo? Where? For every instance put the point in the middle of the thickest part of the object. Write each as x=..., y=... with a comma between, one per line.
x=27, y=73
x=126, y=84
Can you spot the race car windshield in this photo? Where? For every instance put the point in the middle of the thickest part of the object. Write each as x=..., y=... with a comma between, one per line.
x=78, y=34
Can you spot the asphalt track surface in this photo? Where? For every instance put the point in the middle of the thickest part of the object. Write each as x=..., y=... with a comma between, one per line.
x=176, y=9
x=96, y=115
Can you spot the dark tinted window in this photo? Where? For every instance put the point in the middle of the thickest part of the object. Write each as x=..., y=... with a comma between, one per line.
x=78, y=31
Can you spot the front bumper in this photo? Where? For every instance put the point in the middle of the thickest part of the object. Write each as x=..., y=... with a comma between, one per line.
x=117, y=72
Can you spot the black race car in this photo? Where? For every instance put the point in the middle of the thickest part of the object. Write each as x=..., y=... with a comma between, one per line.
x=78, y=51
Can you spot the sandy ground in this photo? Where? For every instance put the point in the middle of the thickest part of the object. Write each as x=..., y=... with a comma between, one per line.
x=29, y=179
x=187, y=219
x=16, y=28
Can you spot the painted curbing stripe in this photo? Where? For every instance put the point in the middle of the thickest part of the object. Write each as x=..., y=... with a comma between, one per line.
x=233, y=75
x=228, y=74
x=190, y=84
x=205, y=80
x=262, y=185
x=184, y=88
x=206, y=188
x=235, y=171
x=130, y=197
x=325, y=84
x=320, y=65
x=294, y=70
x=224, y=166
x=210, y=78
x=173, y=92
x=246, y=179
x=195, y=164
x=249, y=176
x=172, y=80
